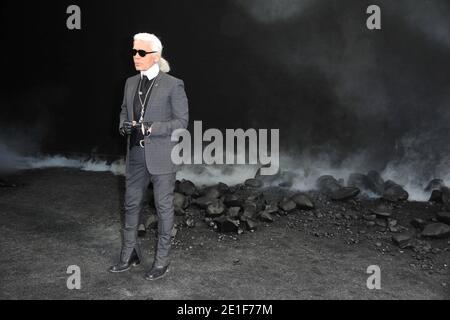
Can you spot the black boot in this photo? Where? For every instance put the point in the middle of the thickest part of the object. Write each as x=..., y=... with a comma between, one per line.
x=123, y=266
x=156, y=273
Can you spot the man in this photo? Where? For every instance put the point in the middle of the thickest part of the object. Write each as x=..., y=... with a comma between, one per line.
x=154, y=105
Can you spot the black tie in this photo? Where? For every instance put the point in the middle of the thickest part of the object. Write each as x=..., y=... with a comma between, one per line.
x=144, y=84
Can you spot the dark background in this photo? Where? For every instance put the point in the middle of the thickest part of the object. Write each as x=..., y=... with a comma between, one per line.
x=310, y=68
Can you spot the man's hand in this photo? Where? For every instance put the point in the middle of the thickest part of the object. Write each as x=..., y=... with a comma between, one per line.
x=127, y=127
x=146, y=128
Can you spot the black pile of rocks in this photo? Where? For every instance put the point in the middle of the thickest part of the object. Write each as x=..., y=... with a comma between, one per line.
x=244, y=207
x=440, y=193
x=235, y=209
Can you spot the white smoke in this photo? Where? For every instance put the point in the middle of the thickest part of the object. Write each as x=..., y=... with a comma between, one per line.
x=117, y=167
x=10, y=161
x=304, y=169
x=424, y=158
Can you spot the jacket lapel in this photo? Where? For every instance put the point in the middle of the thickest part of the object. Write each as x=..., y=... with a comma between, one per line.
x=154, y=93
x=132, y=87
x=131, y=91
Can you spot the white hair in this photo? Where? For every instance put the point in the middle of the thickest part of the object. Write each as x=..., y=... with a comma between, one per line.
x=164, y=65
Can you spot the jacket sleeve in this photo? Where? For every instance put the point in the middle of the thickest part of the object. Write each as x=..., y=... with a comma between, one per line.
x=123, y=110
x=180, y=113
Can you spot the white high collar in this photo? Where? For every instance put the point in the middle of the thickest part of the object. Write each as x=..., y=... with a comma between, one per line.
x=151, y=72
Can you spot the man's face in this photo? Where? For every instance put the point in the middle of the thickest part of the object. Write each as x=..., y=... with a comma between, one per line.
x=144, y=63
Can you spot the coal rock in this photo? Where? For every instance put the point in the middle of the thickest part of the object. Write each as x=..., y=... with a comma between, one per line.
x=232, y=200
x=254, y=183
x=233, y=212
x=302, y=201
x=203, y=202
x=388, y=184
x=356, y=180
x=250, y=224
x=250, y=210
x=186, y=187
x=255, y=200
x=287, y=205
x=393, y=229
x=190, y=222
x=370, y=217
x=443, y=217
x=271, y=208
x=392, y=222
x=344, y=193
x=418, y=223
x=287, y=179
x=212, y=192
x=436, y=230
x=227, y=225
x=436, y=196
x=435, y=184
x=446, y=198
x=403, y=240
x=328, y=184
x=272, y=196
x=376, y=181
x=394, y=192
x=361, y=181
x=381, y=222
x=382, y=211
x=266, y=217
x=223, y=188
x=180, y=203
x=215, y=208
x=285, y=184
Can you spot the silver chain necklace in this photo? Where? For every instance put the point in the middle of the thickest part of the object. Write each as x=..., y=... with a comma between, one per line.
x=145, y=99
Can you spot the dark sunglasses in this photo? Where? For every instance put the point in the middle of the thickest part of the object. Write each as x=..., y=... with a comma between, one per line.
x=142, y=53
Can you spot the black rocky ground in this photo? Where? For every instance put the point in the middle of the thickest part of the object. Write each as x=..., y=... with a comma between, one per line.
x=248, y=241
